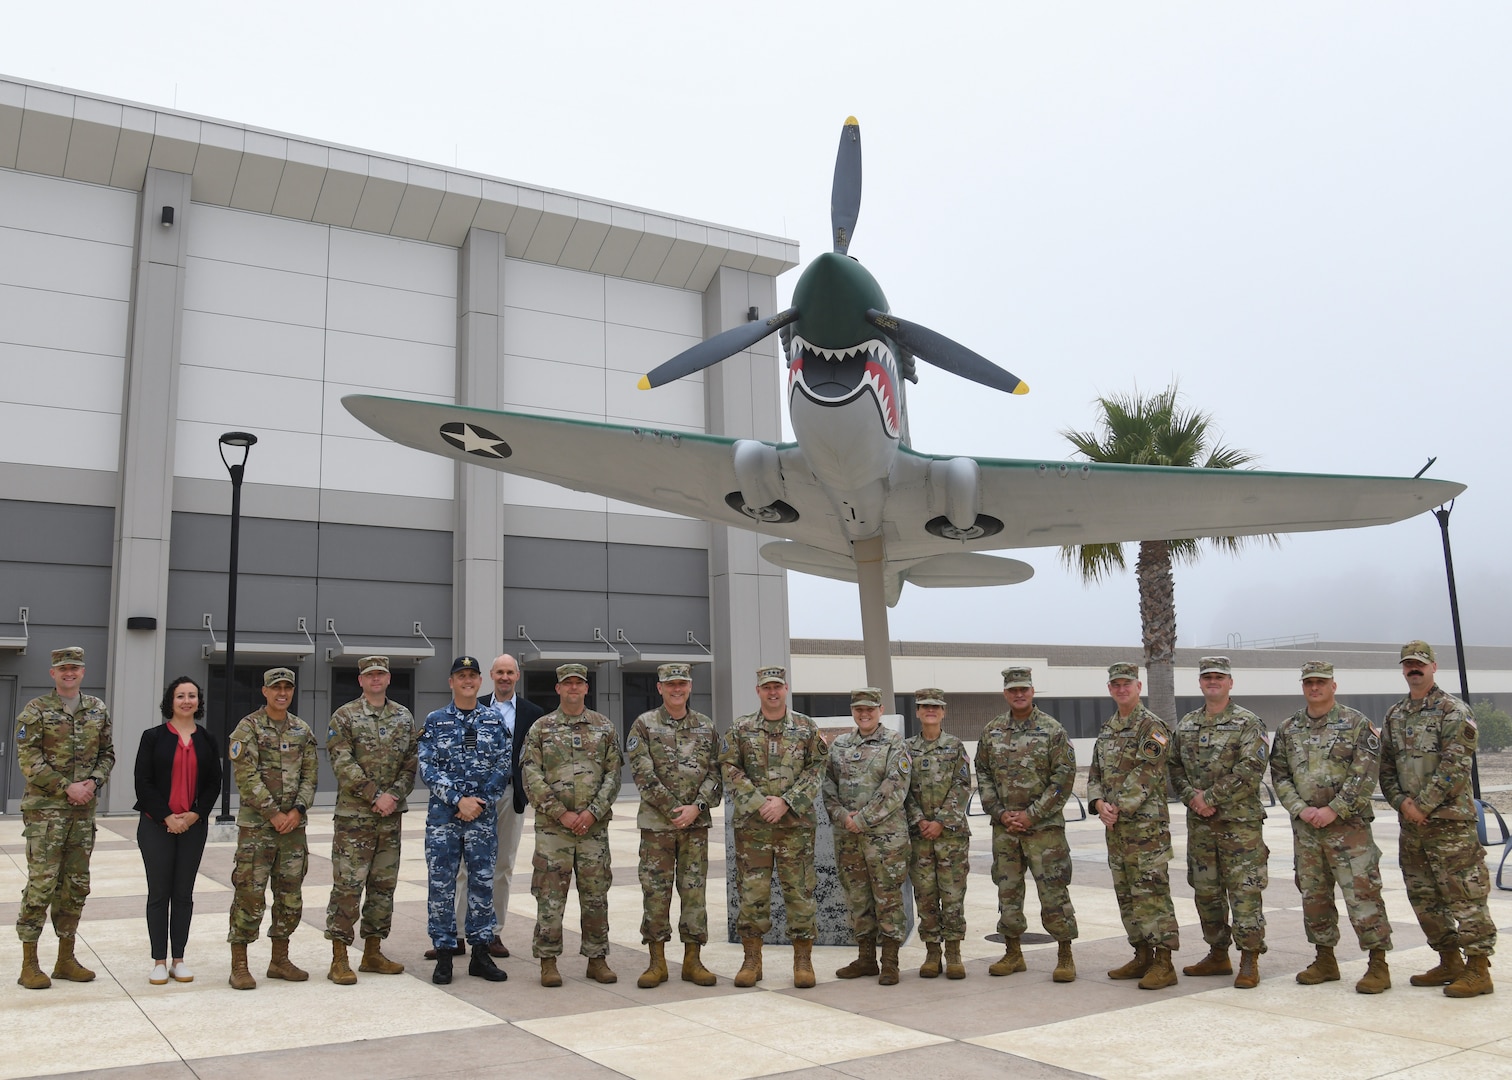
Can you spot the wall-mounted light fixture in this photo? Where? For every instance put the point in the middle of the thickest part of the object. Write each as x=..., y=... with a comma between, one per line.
x=167, y=218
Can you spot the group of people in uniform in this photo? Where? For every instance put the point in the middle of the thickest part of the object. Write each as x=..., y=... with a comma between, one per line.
x=898, y=810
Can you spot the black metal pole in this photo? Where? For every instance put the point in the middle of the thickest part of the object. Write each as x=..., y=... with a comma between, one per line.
x=1442, y=513
x=243, y=441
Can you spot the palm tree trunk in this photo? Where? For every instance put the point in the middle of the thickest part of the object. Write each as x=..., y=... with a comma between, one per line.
x=1157, y=617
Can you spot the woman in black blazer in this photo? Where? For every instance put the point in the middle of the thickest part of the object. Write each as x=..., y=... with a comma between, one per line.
x=178, y=777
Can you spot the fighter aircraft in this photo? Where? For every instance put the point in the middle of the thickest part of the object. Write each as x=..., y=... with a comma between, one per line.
x=850, y=498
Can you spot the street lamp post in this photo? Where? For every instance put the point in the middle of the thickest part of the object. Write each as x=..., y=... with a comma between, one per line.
x=1442, y=513
x=243, y=441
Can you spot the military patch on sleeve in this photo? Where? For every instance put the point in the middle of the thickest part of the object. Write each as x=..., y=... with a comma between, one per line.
x=20, y=732
x=904, y=765
x=1372, y=738
x=632, y=742
x=724, y=744
x=1470, y=722
x=1158, y=736
x=965, y=771
x=235, y=751
x=1152, y=747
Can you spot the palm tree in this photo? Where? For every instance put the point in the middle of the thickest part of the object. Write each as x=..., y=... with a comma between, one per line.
x=1136, y=430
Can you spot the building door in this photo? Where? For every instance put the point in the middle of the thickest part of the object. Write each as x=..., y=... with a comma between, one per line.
x=10, y=770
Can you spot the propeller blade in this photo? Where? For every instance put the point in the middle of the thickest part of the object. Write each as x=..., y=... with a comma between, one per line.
x=710, y=352
x=938, y=350
x=845, y=196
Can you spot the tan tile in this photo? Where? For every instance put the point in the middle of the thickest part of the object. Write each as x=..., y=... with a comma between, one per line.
x=844, y=1039
x=73, y=1027
x=1466, y=1063
x=586, y=1032
x=753, y=1011
x=712, y=1056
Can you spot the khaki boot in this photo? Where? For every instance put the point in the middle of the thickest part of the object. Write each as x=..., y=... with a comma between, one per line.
x=1249, y=970
x=656, y=971
x=341, y=972
x=281, y=967
x=600, y=972
x=693, y=967
x=750, y=969
x=1377, y=977
x=67, y=967
x=32, y=976
x=1161, y=973
x=1324, y=968
x=930, y=969
x=1135, y=968
x=373, y=959
x=1065, y=967
x=241, y=978
x=1013, y=959
x=1474, y=980
x=1450, y=967
x=865, y=962
x=888, y=973
x=1216, y=962
x=954, y=969
x=803, y=963
x=549, y=974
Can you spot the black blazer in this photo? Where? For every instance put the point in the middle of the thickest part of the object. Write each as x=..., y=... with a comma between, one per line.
x=154, y=771
x=527, y=712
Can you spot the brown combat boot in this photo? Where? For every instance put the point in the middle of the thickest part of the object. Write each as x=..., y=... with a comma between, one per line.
x=549, y=974
x=1161, y=973
x=656, y=971
x=1135, y=968
x=341, y=972
x=1065, y=966
x=600, y=972
x=32, y=976
x=280, y=966
x=373, y=959
x=930, y=969
x=1450, y=967
x=1377, y=977
x=1013, y=959
x=803, y=964
x=750, y=968
x=241, y=978
x=865, y=962
x=1474, y=980
x=1249, y=970
x=888, y=972
x=954, y=969
x=1216, y=962
x=67, y=967
x=1324, y=968
x=693, y=968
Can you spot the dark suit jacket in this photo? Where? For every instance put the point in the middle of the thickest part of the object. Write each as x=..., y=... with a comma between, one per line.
x=527, y=712
x=154, y=771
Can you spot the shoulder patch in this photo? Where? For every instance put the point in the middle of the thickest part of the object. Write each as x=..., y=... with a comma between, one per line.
x=1158, y=735
x=724, y=744
x=1373, y=740
x=236, y=749
x=1470, y=722
x=21, y=730
x=632, y=742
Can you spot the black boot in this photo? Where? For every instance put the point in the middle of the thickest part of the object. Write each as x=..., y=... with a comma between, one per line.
x=482, y=965
x=442, y=975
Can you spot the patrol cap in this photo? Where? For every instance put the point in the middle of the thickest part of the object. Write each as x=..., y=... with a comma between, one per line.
x=72, y=656
x=1014, y=677
x=867, y=696
x=275, y=675
x=372, y=663
x=674, y=673
x=930, y=695
x=572, y=671
x=1123, y=670
x=1317, y=669
x=466, y=663
x=1420, y=651
x=772, y=674
x=1214, y=665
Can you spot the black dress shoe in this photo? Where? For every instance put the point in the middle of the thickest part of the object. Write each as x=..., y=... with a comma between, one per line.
x=498, y=948
x=482, y=965
x=442, y=975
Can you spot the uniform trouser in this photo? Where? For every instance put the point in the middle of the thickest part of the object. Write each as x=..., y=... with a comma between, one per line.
x=559, y=854
x=1444, y=866
x=1228, y=870
x=758, y=848
x=1045, y=854
x=509, y=827
x=1139, y=854
x=58, y=846
x=172, y=861
x=364, y=856
x=451, y=842
x=872, y=867
x=674, y=857
x=1342, y=854
x=262, y=853
x=938, y=869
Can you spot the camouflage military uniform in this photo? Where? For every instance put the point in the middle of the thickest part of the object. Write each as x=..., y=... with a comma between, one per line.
x=55, y=750
x=867, y=777
x=1333, y=761
x=675, y=764
x=938, y=790
x=462, y=754
x=372, y=753
x=1425, y=756
x=571, y=763
x=783, y=757
x=1223, y=759
x=1129, y=771
x=275, y=768
x=1029, y=765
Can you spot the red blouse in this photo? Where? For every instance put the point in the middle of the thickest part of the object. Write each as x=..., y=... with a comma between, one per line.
x=185, y=778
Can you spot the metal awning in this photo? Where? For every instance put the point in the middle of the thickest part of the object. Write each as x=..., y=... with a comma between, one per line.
x=19, y=643
x=341, y=650
x=300, y=650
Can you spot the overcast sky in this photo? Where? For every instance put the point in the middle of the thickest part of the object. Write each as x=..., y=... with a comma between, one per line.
x=1299, y=210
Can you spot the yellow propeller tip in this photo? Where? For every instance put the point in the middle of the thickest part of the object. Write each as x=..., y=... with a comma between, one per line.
x=644, y=384
x=851, y=121
x=1021, y=388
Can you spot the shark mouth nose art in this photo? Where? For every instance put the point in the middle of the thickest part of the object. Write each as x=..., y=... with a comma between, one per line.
x=833, y=377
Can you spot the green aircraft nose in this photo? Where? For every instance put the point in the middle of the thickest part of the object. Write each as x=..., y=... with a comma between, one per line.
x=837, y=290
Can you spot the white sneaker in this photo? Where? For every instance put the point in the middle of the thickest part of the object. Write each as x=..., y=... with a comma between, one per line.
x=159, y=976
x=181, y=972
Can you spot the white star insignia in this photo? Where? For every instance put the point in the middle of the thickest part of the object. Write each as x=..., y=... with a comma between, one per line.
x=474, y=440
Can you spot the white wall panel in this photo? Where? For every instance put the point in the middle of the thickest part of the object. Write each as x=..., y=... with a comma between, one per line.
x=87, y=382
x=554, y=289
x=544, y=336
x=395, y=263
x=542, y=386
x=57, y=321
x=249, y=401
x=65, y=264
x=678, y=405
x=67, y=208
x=336, y=421
x=656, y=307
x=634, y=349
x=280, y=457
x=521, y=491
x=257, y=239
x=615, y=506
x=254, y=292
x=395, y=313
x=238, y=344
x=379, y=365
x=67, y=438
x=384, y=468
